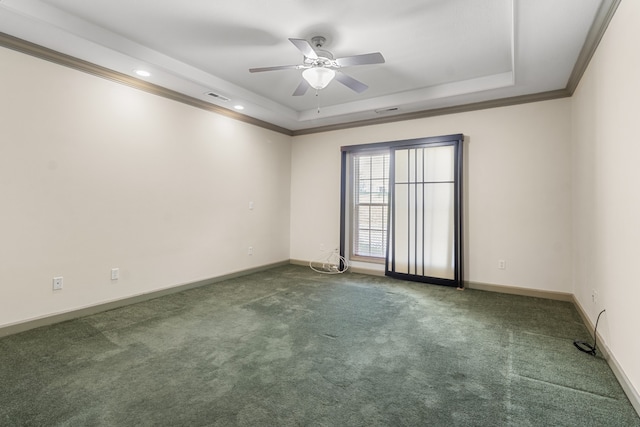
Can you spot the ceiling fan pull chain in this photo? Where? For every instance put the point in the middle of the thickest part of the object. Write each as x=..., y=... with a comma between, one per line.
x=318, y=100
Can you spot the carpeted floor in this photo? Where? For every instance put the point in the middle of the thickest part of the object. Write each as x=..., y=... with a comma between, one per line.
x=290, y=347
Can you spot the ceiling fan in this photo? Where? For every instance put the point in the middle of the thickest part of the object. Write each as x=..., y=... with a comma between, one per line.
x=320, y=67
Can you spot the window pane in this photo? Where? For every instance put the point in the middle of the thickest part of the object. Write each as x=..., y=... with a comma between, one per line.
x=363, y=242
x=378, y=190
x=364, y=168
x=364, y=213
x=371, y=185
x=377, y=166
x=377, y=240
x=364, y=191
x=402, y=166
x=439, y=163
x=377, y=218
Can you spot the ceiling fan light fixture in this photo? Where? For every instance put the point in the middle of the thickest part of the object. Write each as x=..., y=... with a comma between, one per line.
x=318, y=77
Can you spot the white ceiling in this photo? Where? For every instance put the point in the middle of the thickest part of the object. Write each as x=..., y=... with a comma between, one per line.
x=439, y=53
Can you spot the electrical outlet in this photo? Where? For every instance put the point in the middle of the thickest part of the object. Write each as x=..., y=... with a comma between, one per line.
x=57, y=283
x=502, y=264
x=115, y=273
x=594, y=296
x=250, y=251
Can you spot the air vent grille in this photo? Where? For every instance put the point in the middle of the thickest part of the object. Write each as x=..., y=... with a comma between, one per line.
x=386, y=110
x=218, y=96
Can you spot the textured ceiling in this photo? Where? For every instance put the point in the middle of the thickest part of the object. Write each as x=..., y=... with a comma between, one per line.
x=439, y=53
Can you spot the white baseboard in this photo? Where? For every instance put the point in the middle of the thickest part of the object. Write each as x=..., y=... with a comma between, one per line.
x=632, y=394
x=514, y=290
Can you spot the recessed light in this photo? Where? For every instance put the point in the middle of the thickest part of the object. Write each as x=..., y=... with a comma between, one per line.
x=142, y=73
x=238, y=107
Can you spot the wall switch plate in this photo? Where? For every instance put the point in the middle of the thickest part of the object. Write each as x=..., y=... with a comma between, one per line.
x=57, y=283
x=250, y=206
x=115, y=273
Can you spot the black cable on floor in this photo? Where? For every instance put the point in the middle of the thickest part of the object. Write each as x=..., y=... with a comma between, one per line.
x=586, y=347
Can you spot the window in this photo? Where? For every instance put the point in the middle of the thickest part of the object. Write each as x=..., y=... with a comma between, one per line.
x=370, y=204
x=401, y=206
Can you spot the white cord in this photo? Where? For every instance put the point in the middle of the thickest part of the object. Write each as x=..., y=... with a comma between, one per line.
x=330, y=264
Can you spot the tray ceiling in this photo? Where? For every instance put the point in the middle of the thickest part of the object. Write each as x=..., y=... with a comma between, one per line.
x=439, y=54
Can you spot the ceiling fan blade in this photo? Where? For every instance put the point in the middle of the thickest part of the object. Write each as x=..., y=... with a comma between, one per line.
x=279, y=67
x=367, y=58
x=302, y=88
x=351, y=83
x=304, y=47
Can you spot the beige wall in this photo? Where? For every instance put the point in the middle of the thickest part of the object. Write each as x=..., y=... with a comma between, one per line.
x=606, y=220
x=517, y=190
x=95, y=175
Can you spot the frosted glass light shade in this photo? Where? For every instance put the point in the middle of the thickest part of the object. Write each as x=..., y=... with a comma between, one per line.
x=318, y=77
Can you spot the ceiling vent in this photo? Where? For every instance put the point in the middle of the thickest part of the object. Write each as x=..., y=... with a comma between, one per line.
x=386, y=110
x=218, y=96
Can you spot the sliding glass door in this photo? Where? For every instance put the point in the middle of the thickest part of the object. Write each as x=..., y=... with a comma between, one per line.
x=424, y=229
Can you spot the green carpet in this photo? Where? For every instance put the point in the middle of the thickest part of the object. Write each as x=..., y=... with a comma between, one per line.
x=290, y=347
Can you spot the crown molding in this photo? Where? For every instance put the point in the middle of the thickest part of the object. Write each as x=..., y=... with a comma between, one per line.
x=596, y=32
